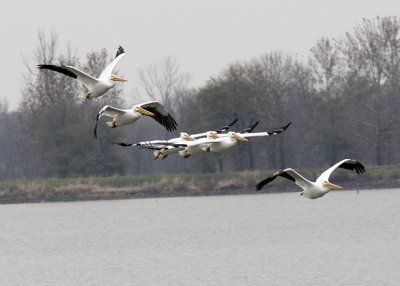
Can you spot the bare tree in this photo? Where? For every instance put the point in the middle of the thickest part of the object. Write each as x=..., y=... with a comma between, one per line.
x=6, y=158
x=164, y=81
x=272, y=78
x=371, y=52
x=326, y=66
x=325, y=62
x=56, y=124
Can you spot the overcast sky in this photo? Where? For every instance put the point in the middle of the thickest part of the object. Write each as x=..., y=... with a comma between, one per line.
x=203, y=35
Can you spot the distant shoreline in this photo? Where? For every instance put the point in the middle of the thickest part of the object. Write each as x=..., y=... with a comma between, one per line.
x=180, y=185
x=180, y=195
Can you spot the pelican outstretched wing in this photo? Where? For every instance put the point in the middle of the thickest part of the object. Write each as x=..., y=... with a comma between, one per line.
x=87, y=80
x=289, y=174
x=106, y=111
x=250, y=128
x=108, y=70
x=269, y=132
x=226, y=127
x=348, y=164
x=161, y=115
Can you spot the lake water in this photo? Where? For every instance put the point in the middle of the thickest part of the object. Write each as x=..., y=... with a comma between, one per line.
x=344, y=238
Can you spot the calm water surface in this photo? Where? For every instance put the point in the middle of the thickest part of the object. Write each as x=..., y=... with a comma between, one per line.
x=344, y=238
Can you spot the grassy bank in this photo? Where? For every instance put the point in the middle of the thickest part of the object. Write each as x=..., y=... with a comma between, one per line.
x=121, y=187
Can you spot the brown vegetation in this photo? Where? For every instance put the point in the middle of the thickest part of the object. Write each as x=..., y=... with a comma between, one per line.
x=179, y=185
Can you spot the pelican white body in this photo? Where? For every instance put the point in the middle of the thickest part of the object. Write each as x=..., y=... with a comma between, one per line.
x=100, y=88
x=129, y=116
x=223, y=145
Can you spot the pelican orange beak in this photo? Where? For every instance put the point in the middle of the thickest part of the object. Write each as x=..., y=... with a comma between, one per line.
x=238, y=137
x=332, y=186
x=117, y=78
x=144, y=111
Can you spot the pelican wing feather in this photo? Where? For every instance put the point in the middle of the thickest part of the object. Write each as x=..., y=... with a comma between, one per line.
x=107, y=111
x=87, y=80
x=161, y=115
x=289, y=174
x=269, y=132
x=109, y=69
x=348, y=164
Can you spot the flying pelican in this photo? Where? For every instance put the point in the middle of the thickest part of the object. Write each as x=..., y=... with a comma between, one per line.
x=319, y=188
x=233, y=137
x=161, y=148
x=221, y=142
x=193, y=147
x=224, y=142
x=121, y=117
x=96, y=87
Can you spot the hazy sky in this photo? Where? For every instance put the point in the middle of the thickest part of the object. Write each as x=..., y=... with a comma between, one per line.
x=203, y=35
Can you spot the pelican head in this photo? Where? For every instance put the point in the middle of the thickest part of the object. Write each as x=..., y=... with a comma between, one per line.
x=238, y=137
x=117, y=78
x=186, y=137
x=331, y=186
x=143, y=111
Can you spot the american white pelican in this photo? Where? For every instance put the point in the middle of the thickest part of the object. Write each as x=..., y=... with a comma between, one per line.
x=121, y=117
x=193, y=147
x=319, y=188
x=224, y=142
x=96, y=87
x=161, y=148
x=221, y=142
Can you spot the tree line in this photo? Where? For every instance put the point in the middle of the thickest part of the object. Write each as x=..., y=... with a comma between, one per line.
x=342, y=100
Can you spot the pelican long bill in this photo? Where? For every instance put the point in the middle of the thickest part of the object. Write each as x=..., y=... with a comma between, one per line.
x=117, y=78
x=332, y=186
x=187, y=137
x=144, y=111
x=240, y=138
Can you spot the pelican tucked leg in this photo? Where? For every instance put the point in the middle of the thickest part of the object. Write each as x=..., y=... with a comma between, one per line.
x=112, y=124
